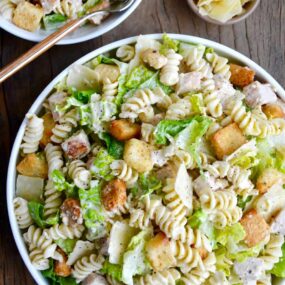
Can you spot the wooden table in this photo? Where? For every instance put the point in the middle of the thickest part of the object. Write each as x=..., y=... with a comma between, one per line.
x=261, y=37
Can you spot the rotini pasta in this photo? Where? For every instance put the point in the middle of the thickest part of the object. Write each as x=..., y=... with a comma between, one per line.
x=54, y=158
x=110, y=90
x=22, y=213
x=63, y=232
x=219, y=64
x=79, y=174
x=126, y=53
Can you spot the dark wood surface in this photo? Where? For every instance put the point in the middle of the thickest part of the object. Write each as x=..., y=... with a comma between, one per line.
x=261, y=37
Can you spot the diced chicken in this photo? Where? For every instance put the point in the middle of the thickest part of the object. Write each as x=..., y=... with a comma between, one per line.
x=55, y=101
x=278, y=223
x=124, y=130
x=94, y=279
x=103, y=244
x=77, y=146
x=48, y=126
x=97, y=20
x=33, y=165
x=71, y=212
x=257, y=94
x=49, y=5
x=153, y=58
x=158, y=252
x=114, y=194
x=189, y=82
x=226, y=140
x=249, y=270
x=267, y=179
x=61, y=268
x=168, y=171
x=273, y=111
x=255, y=227
x=241, y=76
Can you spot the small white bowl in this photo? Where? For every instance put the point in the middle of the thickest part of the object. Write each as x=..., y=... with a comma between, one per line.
x=36, y=107
x=249, y=9
x=84, y=33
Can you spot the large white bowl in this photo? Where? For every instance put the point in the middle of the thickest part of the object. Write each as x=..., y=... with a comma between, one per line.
x=36, y=107
x=84, y=33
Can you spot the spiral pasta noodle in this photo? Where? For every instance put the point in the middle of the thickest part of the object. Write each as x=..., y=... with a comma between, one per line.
x=124, y=172
x=199, y=275
x=125, y=53
x=53, y=200
x=22, y=213
x=219, y=64
x=113, y=281
x=110, y=90
x=272, y=251
x=63, y=232
x=86, y=265
x=139, y=219
x=213, y=104
x=169, y=73
x=68, y=8
x=147, y=133
x=79, y=174
x=166, y=277
x=54, y=157
x=33, y=134
x=223, y=217
x=179, y=110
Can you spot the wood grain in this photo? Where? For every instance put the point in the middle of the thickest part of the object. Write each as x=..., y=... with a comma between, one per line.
x=261, y=37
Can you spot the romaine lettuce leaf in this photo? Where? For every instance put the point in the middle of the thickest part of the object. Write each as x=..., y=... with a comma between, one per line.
x=61, y=184
x=67, y=245
x=114, y=147
x=197, y=103
x=90, y=201
x=134, y=261
x=112, y=270
x=279, y=268
x=197, y=219
x=154, y=82
x=223, y=263
x=82, y=96
x=54, y=21
x=122, y=89
x=137, y=76
x=168, y=43
x=234, y=233
x=101, y=165
x=148, y=183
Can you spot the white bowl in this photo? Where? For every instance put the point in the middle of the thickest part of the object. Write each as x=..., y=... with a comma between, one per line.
x=36, y=107
x=84, y=33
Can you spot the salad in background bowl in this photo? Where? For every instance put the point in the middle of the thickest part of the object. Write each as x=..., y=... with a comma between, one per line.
x=35, y=20
x=158, y=145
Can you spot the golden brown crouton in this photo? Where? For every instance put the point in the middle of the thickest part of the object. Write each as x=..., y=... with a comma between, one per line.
x=28, y=16
x=114, y=194
x=124, y=130
x=71, y=212
x=241, y=76
x=48, y=126
x=226, y=140
x=255, y=227
x=137, y=155
x=60, y=267
x=158, y=252
x=267, y=179
x=273, y=111
x=33, y=165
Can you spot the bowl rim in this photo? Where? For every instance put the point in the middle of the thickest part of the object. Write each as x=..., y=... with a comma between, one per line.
x=118, y=18
x=232, y=21
x=36, y=107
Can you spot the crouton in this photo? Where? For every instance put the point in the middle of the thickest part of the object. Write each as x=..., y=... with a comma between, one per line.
x=28, y=16
x=226, y=140
x=158, y=252
x=71, y=212
x=241, y=76
x=153, y=58
x=60, y=267
x=273, y=111
x=114, y=194
x=267, y=179
x=77, y=146
x=48, y=126
x=255, y=227
x=124, y=130
x=33, y=165
x=104, y=71
x=137, y=155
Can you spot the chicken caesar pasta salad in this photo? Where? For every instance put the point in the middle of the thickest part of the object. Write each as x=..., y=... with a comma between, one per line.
x=32, y=15
x=158, y=163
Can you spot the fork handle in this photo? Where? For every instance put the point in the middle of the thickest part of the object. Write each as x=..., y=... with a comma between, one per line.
x=39, y=49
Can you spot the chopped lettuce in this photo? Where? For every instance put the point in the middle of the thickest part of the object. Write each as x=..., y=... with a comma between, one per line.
x=198, y=218
x=67, y=245
x=82, y=96
x=101, y=165
x=122, y=89
x=114, y=147
x=90, y=201
x=61, y=184
x=55, y=279
x=279, y=268
x=148, y=183
x=137, y=76
x=243, y=201
x=134, y=261
x=154, y=82
x=112, y=270
x=36, y=211
x=166, y=128
x=168, y=43
x=85, y=115
x=197, y=103
x=223, y=263
x=53, y=21
x=234, y=233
